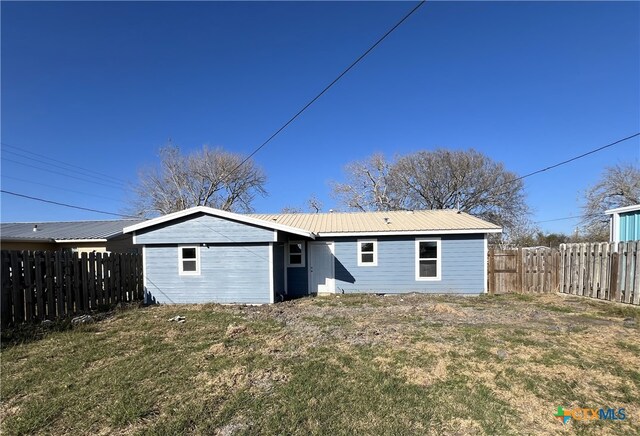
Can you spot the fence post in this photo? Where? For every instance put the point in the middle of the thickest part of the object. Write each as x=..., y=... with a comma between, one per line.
x=5, y=297
x=92, y=280
x=27, y=268
x=40, y=285
x=16, y=280
x=613, y=281
x=628, y=282
x=636, y=275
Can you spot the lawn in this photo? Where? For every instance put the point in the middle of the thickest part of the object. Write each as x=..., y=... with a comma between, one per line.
x=410, y=364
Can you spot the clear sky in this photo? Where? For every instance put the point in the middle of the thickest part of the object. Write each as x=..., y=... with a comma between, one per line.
x=104, y=85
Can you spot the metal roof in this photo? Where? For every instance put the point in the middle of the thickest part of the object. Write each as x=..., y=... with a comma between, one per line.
x=449, y=221
x=631, y=208
x=69, y=230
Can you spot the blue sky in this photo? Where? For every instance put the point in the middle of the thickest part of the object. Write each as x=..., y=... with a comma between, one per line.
x=104, y=85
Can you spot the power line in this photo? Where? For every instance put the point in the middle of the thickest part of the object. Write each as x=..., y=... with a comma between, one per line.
x=564, y=162
x=92, y=172
x=313, y=100
x=66, y=205
x=59, y=188
x=568, y=218
x=84, y=179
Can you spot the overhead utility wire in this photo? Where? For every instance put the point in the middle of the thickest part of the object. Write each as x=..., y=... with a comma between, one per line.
x=568, y=218
x=574, y=158
x=84, y=179
x=4, y=144
x=4, y=176
x=80, y=172
x=564, y=162
x=313, y=100
x=66, y=205
x=511, y=181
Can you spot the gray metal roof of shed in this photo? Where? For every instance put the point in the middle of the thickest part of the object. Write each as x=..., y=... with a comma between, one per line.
x=69, y=230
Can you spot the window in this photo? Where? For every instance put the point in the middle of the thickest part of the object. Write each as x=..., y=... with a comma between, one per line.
x=367, y=252
x=189, y=260
x=295, y=254
x=428, y=262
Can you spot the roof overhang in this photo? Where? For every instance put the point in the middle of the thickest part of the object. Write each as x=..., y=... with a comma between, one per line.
x=34, y=240
x=77, y=241
x=623, y=209
x=409, y=233
x=220, y=214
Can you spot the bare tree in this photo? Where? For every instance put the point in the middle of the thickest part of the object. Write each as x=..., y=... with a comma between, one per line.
x=208, y=177
x=465, y=180
x=619, y=186
x=314, y=205
x=367, y=186
x=440, y=179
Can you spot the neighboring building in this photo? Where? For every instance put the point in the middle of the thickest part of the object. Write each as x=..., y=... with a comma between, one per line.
x=624, y=223
x=208, y=255
x=82, y=236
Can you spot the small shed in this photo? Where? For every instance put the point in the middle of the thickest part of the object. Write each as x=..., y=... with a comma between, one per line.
x=624, y=223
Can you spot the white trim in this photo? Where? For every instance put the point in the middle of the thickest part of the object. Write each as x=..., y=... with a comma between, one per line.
x=271, y=281
x=623, y=209
x=408, y=232
x=275, y=236
x=221, y=214
x=180, y=259
x=486, y=260
x=375, y=252
x=438, y=276
x=288, y=257
x=615, y=228
x=134, y=238
x=144, y=270
x=63, y=241
x=331, y=283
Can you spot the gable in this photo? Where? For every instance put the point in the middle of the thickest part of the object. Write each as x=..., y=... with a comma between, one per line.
x=202, y=228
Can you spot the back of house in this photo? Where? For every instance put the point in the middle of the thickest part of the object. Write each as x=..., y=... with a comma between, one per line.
x=208, y=255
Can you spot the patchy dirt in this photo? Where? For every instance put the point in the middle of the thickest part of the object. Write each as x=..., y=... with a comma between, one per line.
x=409, y=364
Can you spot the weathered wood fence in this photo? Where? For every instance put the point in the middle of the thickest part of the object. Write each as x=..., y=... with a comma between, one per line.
x=51, y=285
x=598, y=270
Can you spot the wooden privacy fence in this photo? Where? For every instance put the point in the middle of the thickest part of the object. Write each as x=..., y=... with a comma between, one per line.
x=604, y=271
x=49, y=285
x=522, y=270
x=599, y=270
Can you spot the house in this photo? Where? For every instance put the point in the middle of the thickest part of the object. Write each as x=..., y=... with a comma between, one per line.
x=208, y=255
x=624, y=223
x=81, y=236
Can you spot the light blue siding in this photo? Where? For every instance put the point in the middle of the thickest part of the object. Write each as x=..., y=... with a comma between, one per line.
x=203, y=228
x=462, y=256
x=229, y=273
x=629, y=226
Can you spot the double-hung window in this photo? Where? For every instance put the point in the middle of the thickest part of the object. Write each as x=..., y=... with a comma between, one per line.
x=367, y=252
x=189, y=260
x=428, y=260
x=295, y=254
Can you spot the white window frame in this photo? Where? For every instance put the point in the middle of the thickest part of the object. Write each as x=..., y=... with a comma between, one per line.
x=375, y=252
x=438, y=276
x=181, y=264
x=303, y=254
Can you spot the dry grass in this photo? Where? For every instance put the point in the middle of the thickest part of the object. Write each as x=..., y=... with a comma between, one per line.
x=340, y=365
